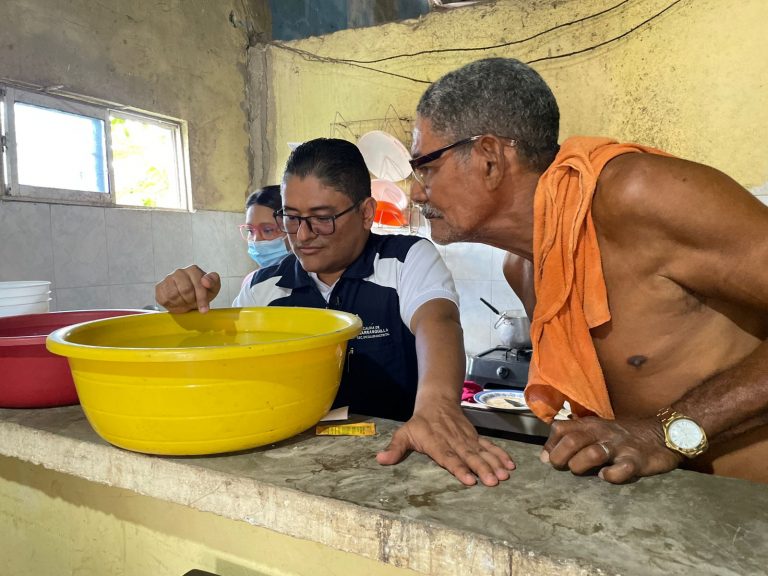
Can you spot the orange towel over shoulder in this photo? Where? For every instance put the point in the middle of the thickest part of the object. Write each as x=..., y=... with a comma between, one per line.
x=571, y=296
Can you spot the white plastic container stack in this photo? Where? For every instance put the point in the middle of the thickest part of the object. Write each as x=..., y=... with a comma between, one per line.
x=24, y=297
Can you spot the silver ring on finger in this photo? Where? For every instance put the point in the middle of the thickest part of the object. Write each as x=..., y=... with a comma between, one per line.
x=605, y=448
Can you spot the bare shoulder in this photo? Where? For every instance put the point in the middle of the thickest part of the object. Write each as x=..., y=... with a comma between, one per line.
x=660, y=193
x=685, y=222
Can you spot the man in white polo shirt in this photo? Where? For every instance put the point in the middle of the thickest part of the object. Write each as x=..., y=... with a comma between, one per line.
x=408, y=362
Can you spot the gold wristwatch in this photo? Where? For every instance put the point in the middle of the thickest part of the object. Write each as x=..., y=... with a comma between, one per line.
x=682, y=434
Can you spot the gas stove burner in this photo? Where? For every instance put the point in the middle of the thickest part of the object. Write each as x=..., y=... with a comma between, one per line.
x=500, y=367
x=508, y=354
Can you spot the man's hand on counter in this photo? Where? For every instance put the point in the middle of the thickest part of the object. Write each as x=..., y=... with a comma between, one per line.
x=623, y=449
x=445, y=435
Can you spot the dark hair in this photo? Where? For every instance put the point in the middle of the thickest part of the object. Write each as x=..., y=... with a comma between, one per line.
x=336, y=163
x=268, y=196
x=499, y=96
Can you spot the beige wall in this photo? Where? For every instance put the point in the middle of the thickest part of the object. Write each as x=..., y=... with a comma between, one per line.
x=692, y=81
x=177, y=58
x=54, y=524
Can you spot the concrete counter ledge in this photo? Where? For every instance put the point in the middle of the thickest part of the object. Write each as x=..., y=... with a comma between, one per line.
x=331, y=491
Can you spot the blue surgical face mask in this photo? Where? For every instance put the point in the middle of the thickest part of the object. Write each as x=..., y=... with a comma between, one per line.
x=267, y=252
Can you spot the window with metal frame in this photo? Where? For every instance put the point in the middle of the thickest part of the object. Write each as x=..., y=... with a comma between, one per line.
x=60, y=149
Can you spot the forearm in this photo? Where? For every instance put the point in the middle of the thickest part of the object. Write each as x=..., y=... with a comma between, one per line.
x=441, y=360
x=743, y=428
x=733, y=401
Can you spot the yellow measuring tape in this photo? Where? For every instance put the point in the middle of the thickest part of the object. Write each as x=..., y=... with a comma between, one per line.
x=358, y=429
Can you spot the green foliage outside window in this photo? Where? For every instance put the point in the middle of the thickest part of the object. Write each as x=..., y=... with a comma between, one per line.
x=144, y=163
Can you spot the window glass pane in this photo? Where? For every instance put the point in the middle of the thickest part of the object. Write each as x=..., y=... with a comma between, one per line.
x=145, y=163
x=60, y=150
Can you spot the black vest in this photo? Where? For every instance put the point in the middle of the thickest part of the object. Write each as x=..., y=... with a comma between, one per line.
x=380, y=374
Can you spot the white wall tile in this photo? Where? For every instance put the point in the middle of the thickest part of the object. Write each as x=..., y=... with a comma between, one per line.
x=238, y=263
x=763, y=198
x=209, y=243
x=26, y=251
x=111, y=258
x=85, y=298
x=171, y=242
x=136, y=295
x=469, y=261
x=129, y=246
x=475, y=316
x=79, y=246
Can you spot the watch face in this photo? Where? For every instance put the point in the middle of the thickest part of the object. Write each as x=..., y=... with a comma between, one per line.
x=685, y=433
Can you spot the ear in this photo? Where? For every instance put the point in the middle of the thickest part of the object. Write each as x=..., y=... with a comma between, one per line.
x=491, y=150
x=368, y=210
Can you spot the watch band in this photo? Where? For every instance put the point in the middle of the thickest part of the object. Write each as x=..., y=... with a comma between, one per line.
x=667, y=416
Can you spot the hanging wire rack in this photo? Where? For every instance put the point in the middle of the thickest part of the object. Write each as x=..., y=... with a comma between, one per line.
x=399, y=126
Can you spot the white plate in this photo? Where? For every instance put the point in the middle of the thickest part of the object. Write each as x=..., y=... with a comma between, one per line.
x=385, y=155
x=497, y=399
x=388, y=191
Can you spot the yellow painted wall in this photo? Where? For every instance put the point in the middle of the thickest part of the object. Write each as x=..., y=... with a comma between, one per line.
x=52, y=524
x=180, y=59
x=693, y=81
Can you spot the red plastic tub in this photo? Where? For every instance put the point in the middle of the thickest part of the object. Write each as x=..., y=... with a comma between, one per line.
x=30, y=376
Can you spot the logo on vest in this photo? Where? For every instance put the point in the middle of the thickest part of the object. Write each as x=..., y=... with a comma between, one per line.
x=374, y=331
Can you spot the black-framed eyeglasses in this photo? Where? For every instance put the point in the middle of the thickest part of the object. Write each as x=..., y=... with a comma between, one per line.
x=417, y=164
x=320, y=225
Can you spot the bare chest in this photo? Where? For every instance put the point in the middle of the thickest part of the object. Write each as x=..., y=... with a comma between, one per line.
x=663, y=340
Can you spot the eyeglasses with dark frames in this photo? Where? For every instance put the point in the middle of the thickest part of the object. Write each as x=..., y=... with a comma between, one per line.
x=320, y=225
x=417, y=164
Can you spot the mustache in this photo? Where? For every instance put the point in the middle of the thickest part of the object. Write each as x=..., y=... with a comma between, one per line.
x=429, y=211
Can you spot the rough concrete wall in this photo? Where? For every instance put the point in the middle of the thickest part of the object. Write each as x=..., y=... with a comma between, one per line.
x=181, y=58
x=692, y=81
x=262, y=127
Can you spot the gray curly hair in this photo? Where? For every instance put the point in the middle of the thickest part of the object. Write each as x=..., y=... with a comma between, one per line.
x=499, y=96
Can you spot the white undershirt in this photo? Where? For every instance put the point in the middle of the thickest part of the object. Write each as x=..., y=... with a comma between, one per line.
x=325, y=290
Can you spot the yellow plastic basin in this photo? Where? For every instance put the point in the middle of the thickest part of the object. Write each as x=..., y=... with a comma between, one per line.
x=230, y=379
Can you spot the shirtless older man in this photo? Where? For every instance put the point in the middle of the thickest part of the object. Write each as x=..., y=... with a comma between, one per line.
x=646, y=276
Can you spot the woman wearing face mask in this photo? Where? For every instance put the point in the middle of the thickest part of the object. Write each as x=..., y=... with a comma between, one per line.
x=266, y=244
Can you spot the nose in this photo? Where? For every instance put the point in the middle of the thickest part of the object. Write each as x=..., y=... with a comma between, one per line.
x=418, y=192
x=304, y=232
